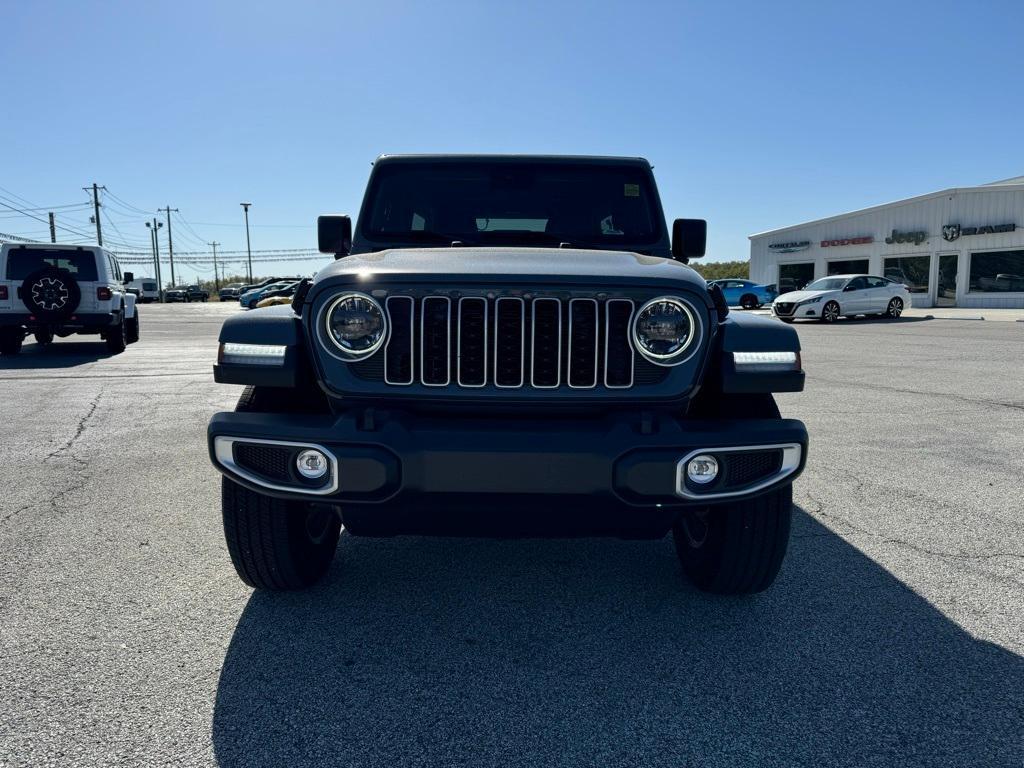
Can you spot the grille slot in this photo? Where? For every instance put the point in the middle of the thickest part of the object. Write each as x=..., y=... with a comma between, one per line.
x=583, y=343
x=509, y=342
x=435, y=341
x=398, y=354
x=618, y=351
x=472, y=330
x=546, y=346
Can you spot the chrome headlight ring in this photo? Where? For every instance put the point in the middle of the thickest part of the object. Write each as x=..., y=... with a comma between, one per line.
x=688, y=348
x=336, y=347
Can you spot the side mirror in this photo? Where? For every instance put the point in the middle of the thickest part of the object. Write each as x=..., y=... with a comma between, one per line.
x=128, y=277
x=849, y=288
x=689, y=239
x=334, y=233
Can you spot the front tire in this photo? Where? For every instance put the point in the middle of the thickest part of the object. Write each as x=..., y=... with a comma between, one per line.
x=830, y=312
x=735, y=548
x=276, y=544
x=43, y=337
x=895, y=309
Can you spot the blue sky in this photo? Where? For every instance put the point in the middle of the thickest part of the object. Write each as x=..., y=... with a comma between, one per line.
x=755, y=115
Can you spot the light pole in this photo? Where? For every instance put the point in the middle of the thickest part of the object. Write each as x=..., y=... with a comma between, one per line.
x=156, y=255
x=248, y=247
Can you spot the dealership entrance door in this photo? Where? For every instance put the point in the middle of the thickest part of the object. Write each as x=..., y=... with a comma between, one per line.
x=945, y=292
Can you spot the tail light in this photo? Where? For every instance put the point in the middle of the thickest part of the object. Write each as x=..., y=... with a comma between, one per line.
x=104, y=294
x=3, y=293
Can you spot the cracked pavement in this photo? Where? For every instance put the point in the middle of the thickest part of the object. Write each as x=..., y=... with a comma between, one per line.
x=894, y=635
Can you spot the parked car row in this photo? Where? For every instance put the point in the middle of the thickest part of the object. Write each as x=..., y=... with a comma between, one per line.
x=186, y=293
x=245, y=294
x=826, y=299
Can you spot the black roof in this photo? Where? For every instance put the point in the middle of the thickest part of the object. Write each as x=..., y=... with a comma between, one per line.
x=514, y=158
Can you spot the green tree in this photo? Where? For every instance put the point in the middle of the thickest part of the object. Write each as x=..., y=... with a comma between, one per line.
x=718, y=270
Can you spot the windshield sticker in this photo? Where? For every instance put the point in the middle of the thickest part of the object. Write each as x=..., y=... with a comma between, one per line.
x=632, y=190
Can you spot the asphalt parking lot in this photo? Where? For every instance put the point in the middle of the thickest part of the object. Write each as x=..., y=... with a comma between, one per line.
x=894, y=635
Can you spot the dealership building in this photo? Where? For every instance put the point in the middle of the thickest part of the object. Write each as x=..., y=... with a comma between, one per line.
x=959, y=247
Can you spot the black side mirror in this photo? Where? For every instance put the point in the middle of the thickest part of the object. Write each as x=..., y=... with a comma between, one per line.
x=850, y=287
x=689, y=239
x=334, y=233
x=128, y=277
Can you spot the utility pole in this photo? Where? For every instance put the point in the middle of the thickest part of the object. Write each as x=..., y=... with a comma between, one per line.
x=216, y=280
x=96, y=208
x=53, y=229
x=156, y=255
x=170, y=242
x=248, y=247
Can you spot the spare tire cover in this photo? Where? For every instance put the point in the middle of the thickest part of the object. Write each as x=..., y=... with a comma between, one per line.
x=51, y=293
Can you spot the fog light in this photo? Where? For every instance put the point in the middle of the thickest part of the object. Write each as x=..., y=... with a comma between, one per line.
x=311, y=464
x=702, y=469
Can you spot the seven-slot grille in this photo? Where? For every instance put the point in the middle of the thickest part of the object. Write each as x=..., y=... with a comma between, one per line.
x=509, y=342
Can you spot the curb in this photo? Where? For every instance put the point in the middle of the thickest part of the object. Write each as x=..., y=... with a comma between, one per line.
x=967, y=317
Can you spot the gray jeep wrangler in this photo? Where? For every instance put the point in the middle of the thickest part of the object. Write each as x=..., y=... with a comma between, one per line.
x=508, y=346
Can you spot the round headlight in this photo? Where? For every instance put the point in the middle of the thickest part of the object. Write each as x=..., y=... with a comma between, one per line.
x=356, y=324
x=664, y=329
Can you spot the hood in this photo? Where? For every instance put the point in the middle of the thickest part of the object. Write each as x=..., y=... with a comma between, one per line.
x=795, y=297
x=494, y=264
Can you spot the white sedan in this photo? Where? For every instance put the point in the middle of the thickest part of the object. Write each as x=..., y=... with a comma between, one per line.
x=829, y=298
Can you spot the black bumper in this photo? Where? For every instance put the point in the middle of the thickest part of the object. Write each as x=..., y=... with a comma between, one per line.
x=402, y=472
x=76, y=321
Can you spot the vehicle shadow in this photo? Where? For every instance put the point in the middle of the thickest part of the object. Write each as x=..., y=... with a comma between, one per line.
x=594, y=652
x=59, y=354
x=863, y=320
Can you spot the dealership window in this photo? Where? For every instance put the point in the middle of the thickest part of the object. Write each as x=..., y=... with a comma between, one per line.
x=912, y=271
x=848, y=267
x=793, y=277
x=997, y=272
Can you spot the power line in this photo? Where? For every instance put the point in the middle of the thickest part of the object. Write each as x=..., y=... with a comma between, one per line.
x=45, y=221
x=127, y=205
x=264, y=251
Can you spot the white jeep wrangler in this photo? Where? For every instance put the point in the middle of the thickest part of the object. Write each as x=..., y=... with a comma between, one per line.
x=57, y=290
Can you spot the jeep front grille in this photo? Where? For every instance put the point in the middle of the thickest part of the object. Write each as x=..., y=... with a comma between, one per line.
x=510, y=343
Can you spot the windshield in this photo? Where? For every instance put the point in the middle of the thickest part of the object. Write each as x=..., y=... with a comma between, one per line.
x=827, y=284
x=22, y=262
x=504, y=203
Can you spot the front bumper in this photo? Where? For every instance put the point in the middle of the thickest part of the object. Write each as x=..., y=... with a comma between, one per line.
x=409, y=465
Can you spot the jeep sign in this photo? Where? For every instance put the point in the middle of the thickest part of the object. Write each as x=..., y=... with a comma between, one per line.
x=906, y=237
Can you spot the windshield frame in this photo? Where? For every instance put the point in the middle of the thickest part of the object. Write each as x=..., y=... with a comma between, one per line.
x=366, y=240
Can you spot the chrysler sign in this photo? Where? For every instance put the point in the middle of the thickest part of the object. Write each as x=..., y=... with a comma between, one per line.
x=802, y=245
